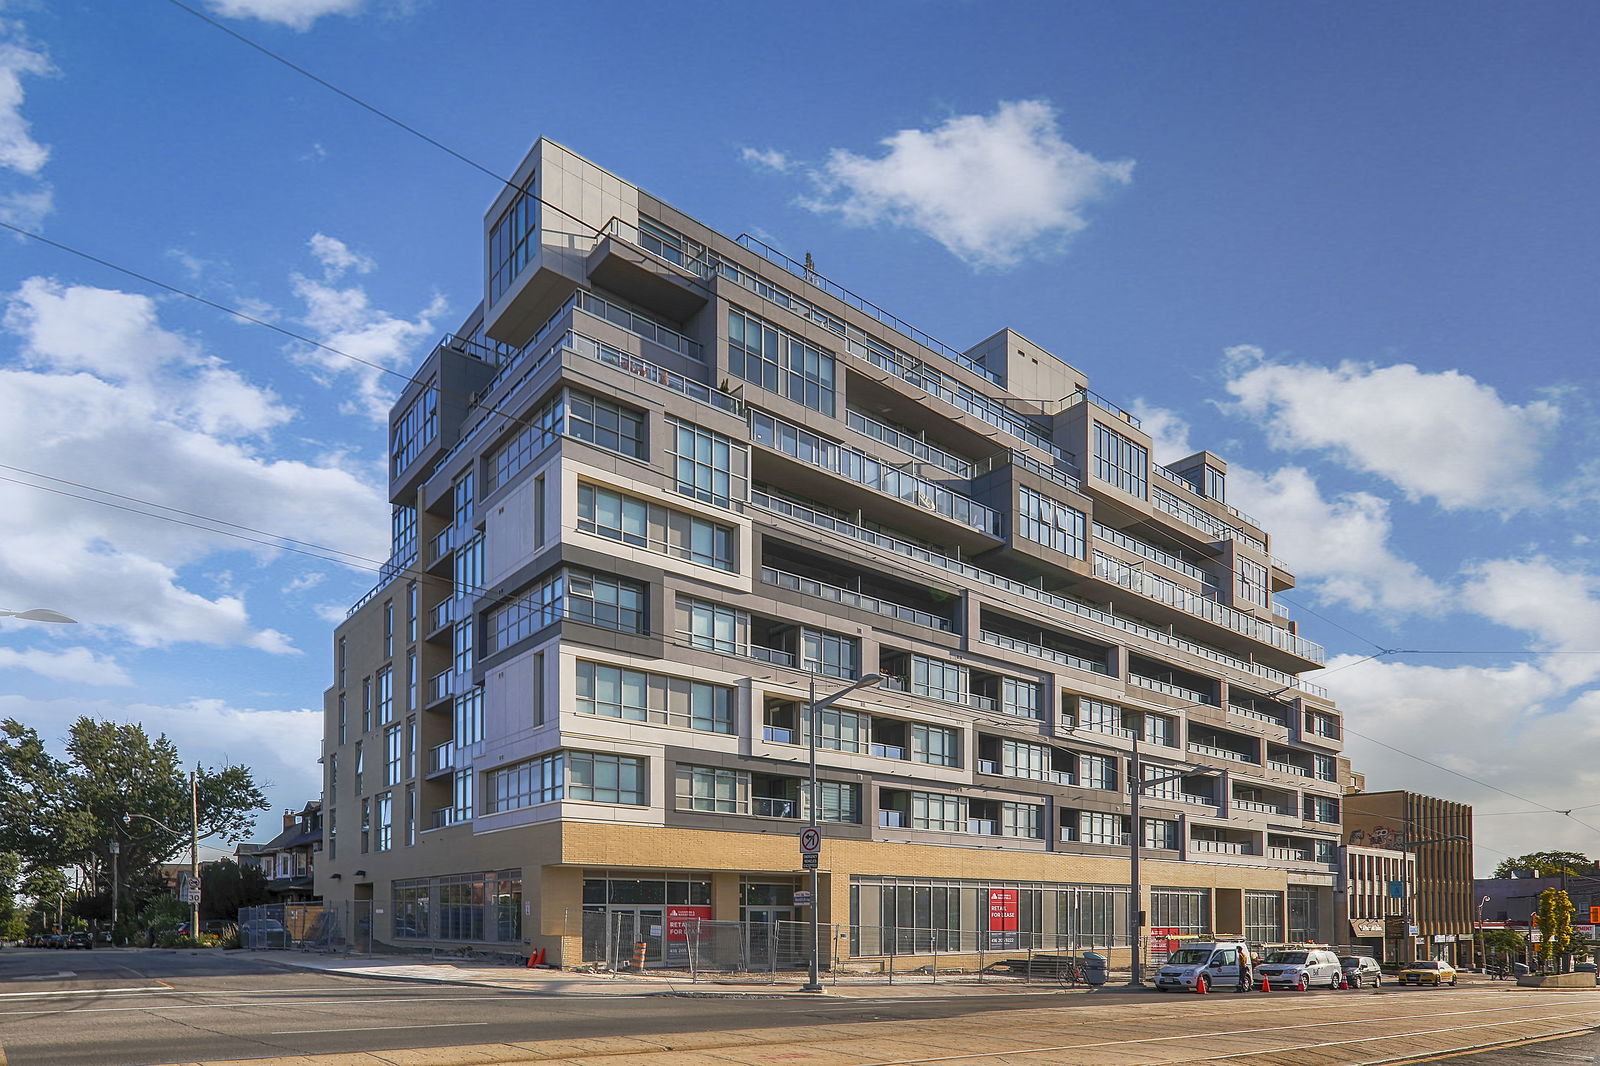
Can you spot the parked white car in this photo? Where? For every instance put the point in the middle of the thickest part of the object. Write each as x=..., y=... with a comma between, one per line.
x=1301, y=968
x=1216, y=964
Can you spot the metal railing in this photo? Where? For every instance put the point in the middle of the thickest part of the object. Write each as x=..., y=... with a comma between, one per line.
x=1178, y=691
x=784, y=579
x=1223, y=847
x=1260, y=716
x=1221, y=753
x=1077, y=662
x=912, y=446
x=850, y=530
x=1202, y=520
x=1288, y=768
x=1151, y=553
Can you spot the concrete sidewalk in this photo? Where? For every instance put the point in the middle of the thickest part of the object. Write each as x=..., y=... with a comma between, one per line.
x=658, y=983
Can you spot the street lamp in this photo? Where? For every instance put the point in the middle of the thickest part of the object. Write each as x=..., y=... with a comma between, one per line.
x=116, y=887
x=194, y=850
x=38, y=614
x=814, y=982
x=1483, y=963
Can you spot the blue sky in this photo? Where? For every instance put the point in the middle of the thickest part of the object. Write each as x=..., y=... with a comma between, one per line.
x=1348, y=246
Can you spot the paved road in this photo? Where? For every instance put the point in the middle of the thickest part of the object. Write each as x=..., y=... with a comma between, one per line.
x=135, y=1008
x=131, y=1007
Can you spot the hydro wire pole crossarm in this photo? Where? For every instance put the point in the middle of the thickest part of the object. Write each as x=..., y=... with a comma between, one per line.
x=813, y=706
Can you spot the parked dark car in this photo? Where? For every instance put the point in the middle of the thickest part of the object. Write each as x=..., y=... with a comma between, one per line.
x=1361, y=970
x=81, y=939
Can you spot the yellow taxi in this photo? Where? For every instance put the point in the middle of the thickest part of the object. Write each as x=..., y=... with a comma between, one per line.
x=1433, y=972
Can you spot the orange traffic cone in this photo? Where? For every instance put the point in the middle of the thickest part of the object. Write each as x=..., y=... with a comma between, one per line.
x=536, y=958
x=1266, y=985
x=1200, y=984
x=1344, y=981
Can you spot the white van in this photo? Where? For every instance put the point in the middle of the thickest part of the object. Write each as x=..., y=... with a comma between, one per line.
x=1301, y=968
x=1215, y=962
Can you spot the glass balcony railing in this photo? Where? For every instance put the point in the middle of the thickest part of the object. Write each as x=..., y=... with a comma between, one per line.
x=1204, y=521
x=780, y=735
x=442, y=757
x=784, y=579
x=1066, y=606
x=1038, y=651
x=863, y=469
x=912, y=446
x=892, y=819
x=1188, y=694
x=1259, y=716
x=1187, y=600
x=1152, y=553
x=773, y=807
x=441, y=687
x=1179, y=483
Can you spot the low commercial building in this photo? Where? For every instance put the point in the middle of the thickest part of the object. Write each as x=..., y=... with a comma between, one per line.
x=1379, y=886
x=1438, y=834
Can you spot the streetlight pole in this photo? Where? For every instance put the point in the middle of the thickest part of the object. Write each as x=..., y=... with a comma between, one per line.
x=813, y=706
x=1483, y=963
x=194, y=849
x=116, y=888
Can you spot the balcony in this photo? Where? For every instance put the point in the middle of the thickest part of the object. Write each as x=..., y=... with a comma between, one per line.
x=886, y=751
x=442, y=758
x=1214, y=752
x=913, y=446
x=892, y=819
x=1188, y=695
x=1259, y=807
x=1039, y=651
x=988, y=827
x=862, y=469
x=444, y=816
x=780, y=735
x=443, y=614
x=784, y=579
x=1258, y=716
x=1223, y=847
x=1151, y=553
x=1288, y=768
x=1179, y=597
x=441, y=686
x=774, y=807
x=1214, y=527
x=1291, y=854
x=1068, y=607
x=988, y=766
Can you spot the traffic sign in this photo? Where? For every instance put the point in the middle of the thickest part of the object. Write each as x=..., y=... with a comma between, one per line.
x=810, y=840
x=808, y=861
x=802, y=898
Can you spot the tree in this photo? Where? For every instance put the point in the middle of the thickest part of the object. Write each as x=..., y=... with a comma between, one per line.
x=61, y=813
x=1548, y=864
x=12, y=918
x=1504, y=942
x=1555, y=925
x=226, y=886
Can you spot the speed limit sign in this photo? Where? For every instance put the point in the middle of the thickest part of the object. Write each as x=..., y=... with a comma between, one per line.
x=810, y=840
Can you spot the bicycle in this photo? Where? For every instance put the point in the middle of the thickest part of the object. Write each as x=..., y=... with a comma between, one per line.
x=1071, y=974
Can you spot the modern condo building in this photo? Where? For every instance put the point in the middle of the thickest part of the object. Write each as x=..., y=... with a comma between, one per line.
x=659, y=484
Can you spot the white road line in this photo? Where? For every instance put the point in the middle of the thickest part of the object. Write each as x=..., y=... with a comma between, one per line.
x=1238, y=1032
x=370, y=1028
x=82, y=992
x=319, y=1002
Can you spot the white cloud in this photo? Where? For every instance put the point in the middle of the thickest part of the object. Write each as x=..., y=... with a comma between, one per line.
x=107, y=397
x=336, y=257
x=18, y=150
x=77, y=665
x=344, y=319
x=1557, y=603
x=993, y=189
x=1441, y=435
x=1339, y=546
x=766, y=159
x=31, y=199
x=298, y=15
x=1519, y=727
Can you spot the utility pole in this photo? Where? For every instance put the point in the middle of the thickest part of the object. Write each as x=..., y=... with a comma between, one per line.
x=116, y=888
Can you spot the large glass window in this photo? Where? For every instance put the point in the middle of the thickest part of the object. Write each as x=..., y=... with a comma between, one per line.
x=385, y=695
x=601, y=422
x=1188, y=910
x=511, y=242
x=607, y=513
x=523, y=784
x=385, y=818
x=636, y=695
x=841, y=730
x=391, y=755
x=827, y=653
x=1018, y=758
x=1263, y=917
x=467, y=717
x=1097, y=771
x=709, y=788
x=1099, y=827
x=935, y=810
x=1020, y=698
x=1121, y=462
x=605, y=778
x=933, y=744
x=1022, y=820
x=938, y=680
x=708, y=465
x=581, y=595
x=520, y=449
x=714, y=627
x=415, y=429
x=1161, y=834
x=1049, y=522
x=838, y=801
x=780, y=362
